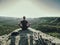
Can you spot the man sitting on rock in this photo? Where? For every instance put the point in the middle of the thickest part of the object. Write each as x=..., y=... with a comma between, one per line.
x=24, y=23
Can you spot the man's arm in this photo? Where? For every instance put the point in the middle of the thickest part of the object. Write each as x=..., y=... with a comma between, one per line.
x=19, y=24
x=28, y=24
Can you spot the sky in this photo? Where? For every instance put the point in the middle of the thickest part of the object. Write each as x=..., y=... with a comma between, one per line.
x=30, y=8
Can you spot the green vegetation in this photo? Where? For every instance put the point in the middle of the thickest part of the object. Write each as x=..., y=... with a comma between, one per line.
x=7, y=25
x=6, y=29
x=49, y=25
x=55, y=34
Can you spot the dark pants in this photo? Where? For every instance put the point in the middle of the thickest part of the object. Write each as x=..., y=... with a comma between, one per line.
x=24, y=27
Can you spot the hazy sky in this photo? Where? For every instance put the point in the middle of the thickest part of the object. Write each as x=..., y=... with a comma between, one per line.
x=30, y=8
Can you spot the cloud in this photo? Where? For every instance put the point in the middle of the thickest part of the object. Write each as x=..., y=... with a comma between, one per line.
x=27, y=8
x=52, y=3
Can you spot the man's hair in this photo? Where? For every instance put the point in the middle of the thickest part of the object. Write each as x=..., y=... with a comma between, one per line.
x=24, y=17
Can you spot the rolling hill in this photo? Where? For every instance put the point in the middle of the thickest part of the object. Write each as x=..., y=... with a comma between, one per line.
x=49, y=25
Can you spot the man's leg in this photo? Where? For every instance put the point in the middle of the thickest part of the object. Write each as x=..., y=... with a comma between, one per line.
x=24, y=28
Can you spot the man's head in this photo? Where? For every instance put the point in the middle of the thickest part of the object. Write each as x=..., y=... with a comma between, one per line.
x=24, y=17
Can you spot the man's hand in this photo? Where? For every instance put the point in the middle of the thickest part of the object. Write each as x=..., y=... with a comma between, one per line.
x=20, y=25
x=28, y=25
